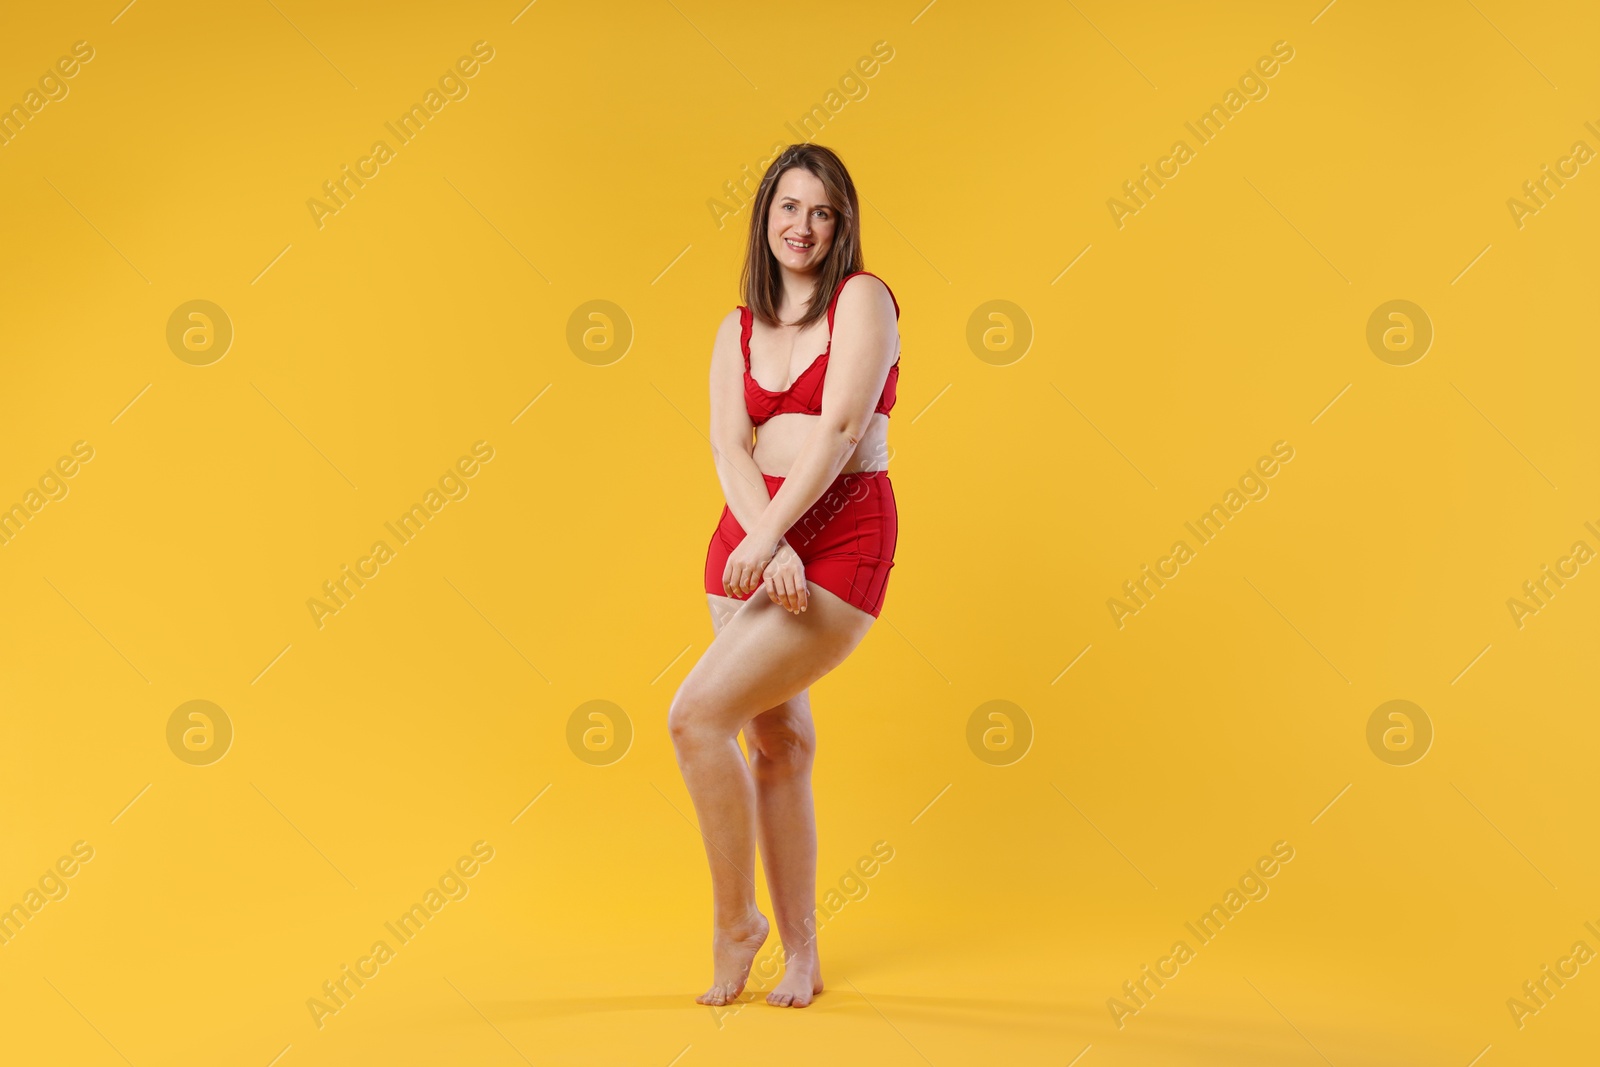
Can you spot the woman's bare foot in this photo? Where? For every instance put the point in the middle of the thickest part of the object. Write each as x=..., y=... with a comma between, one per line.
x=802, y=980
x=732, y=953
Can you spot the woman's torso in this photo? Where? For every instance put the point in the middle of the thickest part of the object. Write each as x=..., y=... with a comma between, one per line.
x=780, y=438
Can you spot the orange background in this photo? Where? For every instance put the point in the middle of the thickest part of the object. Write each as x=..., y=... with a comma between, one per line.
x=1046, y=449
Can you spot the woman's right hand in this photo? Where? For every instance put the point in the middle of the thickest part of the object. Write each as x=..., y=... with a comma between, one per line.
x=785, y=580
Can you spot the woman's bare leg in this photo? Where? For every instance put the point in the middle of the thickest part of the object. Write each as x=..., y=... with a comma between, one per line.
x=782, y=742
x=762, y=657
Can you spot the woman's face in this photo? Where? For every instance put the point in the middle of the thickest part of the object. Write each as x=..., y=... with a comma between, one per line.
x=800, y=224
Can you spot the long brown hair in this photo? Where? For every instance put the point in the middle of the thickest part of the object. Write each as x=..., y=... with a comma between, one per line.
x=759, y=279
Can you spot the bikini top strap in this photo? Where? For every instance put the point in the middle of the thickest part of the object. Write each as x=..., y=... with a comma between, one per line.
x=835, y=301
x=744, y=334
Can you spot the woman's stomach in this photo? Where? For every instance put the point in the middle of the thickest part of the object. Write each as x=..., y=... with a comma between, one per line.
x=780, y=439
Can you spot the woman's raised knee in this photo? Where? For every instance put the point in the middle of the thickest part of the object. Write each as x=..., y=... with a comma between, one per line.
x=681, y=720
x=693, y=718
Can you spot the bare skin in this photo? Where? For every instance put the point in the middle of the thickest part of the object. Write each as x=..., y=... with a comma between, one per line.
x=754, y=677
x=769, y=649
x=781, y=742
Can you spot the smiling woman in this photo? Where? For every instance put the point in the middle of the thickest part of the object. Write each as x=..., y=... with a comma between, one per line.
x=790, y=426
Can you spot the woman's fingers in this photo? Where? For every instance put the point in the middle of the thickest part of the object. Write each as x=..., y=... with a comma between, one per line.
x=739, y=580
x=786, y=586
x=784, y=577
x=777, y=586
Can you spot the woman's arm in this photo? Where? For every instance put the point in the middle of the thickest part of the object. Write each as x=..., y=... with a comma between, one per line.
x=732, y=447
x=865, y=339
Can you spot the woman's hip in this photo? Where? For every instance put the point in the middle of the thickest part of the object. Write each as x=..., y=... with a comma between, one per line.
x=855, y=514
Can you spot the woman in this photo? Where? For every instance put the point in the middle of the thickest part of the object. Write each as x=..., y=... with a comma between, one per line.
x=792, y=597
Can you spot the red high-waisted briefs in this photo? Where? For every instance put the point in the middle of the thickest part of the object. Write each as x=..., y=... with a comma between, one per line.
x=846, y=540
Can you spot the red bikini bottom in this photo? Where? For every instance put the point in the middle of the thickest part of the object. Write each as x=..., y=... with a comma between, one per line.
x=846, y=540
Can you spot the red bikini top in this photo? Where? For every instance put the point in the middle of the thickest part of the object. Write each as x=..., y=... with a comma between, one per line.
x=805, y=395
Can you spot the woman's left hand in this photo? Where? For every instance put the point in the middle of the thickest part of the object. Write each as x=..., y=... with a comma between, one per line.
x=746, y=565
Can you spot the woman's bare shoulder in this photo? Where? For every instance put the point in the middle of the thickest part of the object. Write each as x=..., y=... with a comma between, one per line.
x=728, y=330
x=725, y=345
x=864, y=296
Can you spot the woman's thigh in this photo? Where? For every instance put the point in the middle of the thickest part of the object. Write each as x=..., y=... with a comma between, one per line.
x=763, y=656
x=723, y=609
x=780, y=726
